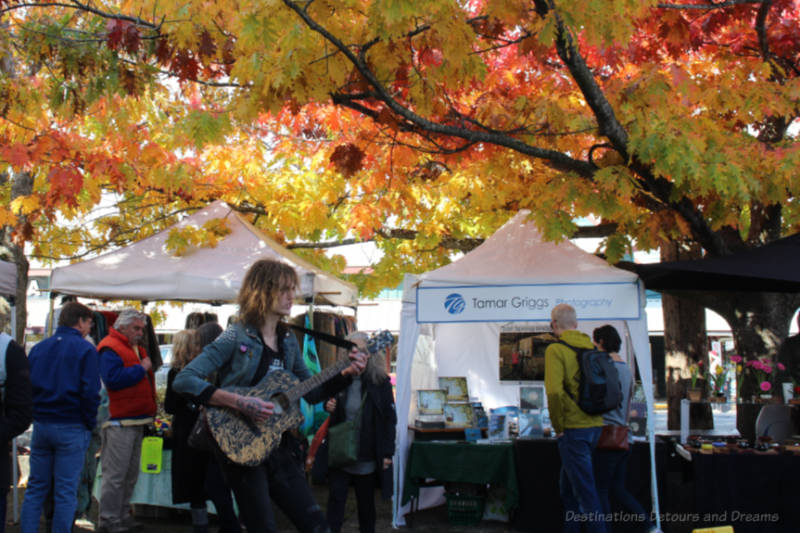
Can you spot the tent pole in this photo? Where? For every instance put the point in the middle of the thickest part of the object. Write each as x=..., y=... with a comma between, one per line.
x=14, y=474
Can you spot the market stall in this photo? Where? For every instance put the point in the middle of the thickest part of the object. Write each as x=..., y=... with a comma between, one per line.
x=453, y=318
x=147, y=271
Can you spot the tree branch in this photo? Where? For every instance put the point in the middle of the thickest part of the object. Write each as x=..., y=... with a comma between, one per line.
x=557, y=160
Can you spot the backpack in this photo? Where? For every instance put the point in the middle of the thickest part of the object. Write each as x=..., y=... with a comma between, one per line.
x=599, y=389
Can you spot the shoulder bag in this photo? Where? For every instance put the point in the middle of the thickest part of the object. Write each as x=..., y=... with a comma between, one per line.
x=343, y=440
x=200, y=437
x=613, y=437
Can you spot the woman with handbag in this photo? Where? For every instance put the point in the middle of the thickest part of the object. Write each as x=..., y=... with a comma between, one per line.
x=196, y=477
x=367, y=409
x=610, y=458
x=255, y=345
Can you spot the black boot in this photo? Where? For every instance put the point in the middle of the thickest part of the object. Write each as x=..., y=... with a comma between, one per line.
x=199, y=520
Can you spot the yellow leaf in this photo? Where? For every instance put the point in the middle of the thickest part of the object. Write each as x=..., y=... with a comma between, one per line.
x=25, y=205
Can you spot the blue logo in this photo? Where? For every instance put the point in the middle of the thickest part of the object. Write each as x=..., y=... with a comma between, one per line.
x=454, y=303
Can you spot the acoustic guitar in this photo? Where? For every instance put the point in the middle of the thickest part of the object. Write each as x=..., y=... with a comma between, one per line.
x=248, y=443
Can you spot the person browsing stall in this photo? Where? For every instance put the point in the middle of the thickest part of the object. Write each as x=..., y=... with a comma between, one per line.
x=128, y=376
x=611, y=466
x=65, y=380
x=577, y=432
x=253, y=346
x=376, y=440
x=194, y=472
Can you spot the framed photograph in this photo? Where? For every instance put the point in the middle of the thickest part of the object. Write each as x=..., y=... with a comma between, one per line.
x=497, y=427
x=531, y=397
x=522, y=349
x=431, y=401
x=456, y=388
x=531, y=424
x=458, y=415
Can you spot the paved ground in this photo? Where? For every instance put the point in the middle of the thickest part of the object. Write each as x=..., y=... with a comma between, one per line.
x=165, y=520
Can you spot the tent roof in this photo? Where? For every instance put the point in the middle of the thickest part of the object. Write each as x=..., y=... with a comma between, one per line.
x=517, y=253
x=774, y=267
x=146, y=270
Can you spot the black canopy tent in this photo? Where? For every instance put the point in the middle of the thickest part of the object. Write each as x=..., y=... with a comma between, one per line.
x=774, y=267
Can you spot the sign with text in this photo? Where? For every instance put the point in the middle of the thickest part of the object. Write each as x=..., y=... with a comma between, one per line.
x=511, y=303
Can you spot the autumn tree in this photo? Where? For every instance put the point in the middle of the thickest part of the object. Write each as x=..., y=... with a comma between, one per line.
x=420, y=124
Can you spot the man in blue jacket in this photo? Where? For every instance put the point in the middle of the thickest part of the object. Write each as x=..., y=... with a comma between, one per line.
x=65, y=379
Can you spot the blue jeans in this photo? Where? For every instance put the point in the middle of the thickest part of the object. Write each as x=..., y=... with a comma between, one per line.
x=610, y=472
x=57, y=451
x=578, y=492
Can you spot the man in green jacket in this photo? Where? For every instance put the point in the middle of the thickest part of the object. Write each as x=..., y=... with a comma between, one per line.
x=577, y=432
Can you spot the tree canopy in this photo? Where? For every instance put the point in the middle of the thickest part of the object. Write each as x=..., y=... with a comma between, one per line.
x=419, y=124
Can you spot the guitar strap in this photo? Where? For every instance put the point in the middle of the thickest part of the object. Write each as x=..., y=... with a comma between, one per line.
x=326, y=337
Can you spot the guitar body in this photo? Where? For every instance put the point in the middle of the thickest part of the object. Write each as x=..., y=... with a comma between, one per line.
x=245, y=442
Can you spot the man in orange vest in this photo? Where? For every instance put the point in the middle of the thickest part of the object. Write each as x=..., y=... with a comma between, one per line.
x=128, y=376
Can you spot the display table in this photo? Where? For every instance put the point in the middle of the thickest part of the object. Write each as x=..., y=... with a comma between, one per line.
x=426, y=434
x=753, y=492
x=151, y=489
x=538, y=469
x=461, y=462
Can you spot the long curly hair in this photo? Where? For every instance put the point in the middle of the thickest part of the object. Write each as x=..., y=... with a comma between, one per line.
x=263, y=282
x=184, y=348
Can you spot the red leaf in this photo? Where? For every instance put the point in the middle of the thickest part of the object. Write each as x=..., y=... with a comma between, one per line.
x=116, y=29
x=347, y=158
x=207, y=45
x=16, y=154
x=22, y=234
x=132, y=39
x=163, y=51
x=185, y=65
x=65, y=184
x=430, y=57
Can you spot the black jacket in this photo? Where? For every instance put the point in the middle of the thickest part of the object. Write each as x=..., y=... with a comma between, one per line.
x=16, y=413
x=378, y=423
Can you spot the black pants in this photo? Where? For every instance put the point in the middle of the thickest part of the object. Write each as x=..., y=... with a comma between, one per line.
x=281, y=480
x=218, y=492
x=338, y=483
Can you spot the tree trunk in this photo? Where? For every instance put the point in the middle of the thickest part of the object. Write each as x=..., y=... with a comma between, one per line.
x=760, y=323
x=21, y=185
x=684, y=342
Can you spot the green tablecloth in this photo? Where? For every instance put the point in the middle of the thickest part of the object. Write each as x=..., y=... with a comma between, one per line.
x=461, y=462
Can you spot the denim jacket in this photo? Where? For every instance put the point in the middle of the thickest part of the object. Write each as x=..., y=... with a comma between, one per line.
x=235, y=356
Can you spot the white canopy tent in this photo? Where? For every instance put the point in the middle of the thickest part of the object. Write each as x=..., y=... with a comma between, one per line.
x=452, y=316
x=147, y=271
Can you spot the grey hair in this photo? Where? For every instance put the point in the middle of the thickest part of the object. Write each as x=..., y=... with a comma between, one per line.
x=375, y=371
x=126, y=316
x=564, y=315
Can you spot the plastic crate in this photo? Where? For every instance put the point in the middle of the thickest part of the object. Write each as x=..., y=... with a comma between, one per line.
x=464, y=509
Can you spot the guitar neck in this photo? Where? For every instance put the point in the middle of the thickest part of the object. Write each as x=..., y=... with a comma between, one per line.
x=315, y=381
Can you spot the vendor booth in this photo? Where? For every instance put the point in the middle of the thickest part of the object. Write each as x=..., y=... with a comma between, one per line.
x=147, y=271
x=453, y=318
